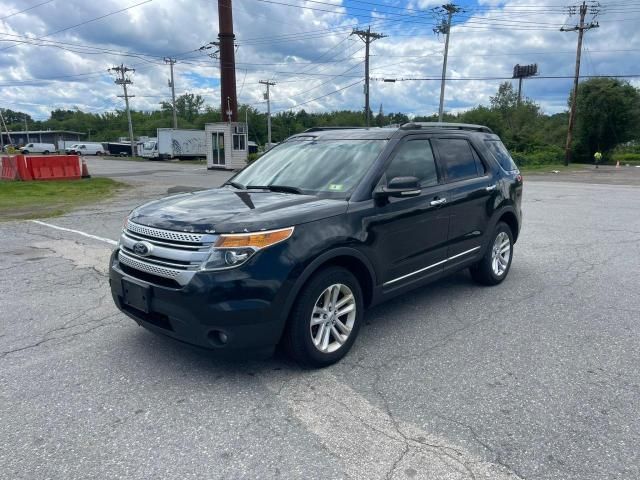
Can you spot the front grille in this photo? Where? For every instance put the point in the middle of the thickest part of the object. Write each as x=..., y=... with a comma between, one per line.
x=148, y=267
x=165, y=234
x=176, y=256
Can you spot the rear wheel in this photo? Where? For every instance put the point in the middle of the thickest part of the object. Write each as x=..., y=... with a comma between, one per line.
x=326, y=318
x=495, y=265
x=46, y=152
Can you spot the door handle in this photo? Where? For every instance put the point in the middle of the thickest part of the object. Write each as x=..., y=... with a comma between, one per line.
x=491, y=188
x=439, y=201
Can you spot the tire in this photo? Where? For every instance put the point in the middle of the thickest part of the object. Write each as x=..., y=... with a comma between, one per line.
x=98, y=154
x=301, y=335
x=494, y=267
x=46, y=152
x=25, y=152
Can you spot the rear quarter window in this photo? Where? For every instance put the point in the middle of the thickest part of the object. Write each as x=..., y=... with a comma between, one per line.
x=501, y=154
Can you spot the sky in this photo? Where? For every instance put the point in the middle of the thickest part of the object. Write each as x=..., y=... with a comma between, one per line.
x=56, y=53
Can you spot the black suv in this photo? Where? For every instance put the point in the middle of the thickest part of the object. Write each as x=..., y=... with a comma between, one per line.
x=293, y=248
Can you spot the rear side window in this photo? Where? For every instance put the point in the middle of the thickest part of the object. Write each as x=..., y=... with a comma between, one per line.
x=414, y=159
x=458, y=159
x=501, y=154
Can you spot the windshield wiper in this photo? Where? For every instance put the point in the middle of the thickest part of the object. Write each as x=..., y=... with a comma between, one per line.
x=237, y=185
x=275, y=188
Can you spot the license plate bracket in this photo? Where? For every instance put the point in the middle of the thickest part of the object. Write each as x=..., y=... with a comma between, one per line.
x=136, y=295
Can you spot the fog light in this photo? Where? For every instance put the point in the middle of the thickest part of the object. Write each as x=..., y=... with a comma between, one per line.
x=218, y=338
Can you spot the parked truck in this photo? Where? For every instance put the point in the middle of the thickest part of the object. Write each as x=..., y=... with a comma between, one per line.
x=176, y=143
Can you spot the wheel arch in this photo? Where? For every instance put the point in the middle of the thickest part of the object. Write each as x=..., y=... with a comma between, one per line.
x=349, y=258
x=509, y=217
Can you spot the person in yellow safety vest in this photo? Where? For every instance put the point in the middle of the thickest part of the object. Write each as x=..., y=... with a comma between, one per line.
x=597, y=157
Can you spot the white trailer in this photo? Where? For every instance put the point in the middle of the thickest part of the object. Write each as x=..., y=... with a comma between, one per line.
x=179, y=143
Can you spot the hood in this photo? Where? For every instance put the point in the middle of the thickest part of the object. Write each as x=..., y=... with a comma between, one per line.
x=225, y=210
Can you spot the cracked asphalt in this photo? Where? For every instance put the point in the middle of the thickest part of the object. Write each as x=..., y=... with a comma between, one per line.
x=534, y=379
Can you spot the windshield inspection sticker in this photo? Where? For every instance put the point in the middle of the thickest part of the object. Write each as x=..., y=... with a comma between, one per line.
x=336, y=187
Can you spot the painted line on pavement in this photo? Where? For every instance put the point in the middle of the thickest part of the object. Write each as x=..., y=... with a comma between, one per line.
x=88, y=235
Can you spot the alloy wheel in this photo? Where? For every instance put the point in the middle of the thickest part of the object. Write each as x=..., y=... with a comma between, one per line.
x=500, y=254
x=332, y=319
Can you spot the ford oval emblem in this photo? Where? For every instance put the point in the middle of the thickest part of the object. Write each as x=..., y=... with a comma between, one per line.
x=143, y=249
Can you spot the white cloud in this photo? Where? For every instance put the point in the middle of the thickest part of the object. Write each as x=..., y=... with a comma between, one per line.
x=279, y=42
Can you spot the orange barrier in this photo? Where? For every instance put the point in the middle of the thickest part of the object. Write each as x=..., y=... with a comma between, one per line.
x=10, y=168
x=45, y=167
x=15, y=167
x=54, y=167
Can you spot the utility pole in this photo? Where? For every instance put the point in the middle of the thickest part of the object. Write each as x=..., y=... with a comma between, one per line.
x=6, y=130
x=580, y=28
x=124, y=80
x=26, y=128
x=367, y=36
x=445, y=28
x=228, y=96
x=172, y=62
x=268, y=99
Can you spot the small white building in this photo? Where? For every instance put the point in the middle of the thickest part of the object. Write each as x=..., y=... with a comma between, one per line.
x=227, y=145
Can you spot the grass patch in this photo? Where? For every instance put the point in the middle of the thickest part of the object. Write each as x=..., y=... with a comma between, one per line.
x=24, y=200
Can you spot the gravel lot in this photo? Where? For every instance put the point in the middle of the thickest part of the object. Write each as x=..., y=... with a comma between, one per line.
x=535, y=379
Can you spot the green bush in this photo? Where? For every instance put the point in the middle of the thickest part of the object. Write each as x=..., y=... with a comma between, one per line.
x=252, y=157
x=549, y=154
x=626, y=157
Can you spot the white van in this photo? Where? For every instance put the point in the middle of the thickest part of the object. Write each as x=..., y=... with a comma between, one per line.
x=45, y=148
x=86, y=149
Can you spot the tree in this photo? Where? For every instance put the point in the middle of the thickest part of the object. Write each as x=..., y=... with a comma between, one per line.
x=187, y=106
x=608, y=113
x=380, y=120
x=13, y=117
x=505, y=99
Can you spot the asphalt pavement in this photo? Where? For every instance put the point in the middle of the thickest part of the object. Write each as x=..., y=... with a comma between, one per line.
x=536, y=378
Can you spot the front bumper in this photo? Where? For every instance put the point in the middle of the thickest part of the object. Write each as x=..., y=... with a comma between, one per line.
x=249, y=311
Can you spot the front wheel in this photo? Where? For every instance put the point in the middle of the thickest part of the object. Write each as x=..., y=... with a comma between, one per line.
x=326, y=318
x=495, y=265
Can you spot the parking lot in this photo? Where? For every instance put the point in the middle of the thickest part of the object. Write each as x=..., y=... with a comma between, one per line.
x=536, y=378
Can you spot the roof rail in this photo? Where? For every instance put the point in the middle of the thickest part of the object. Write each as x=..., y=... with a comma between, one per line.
x=454, y=126
x=322, y=129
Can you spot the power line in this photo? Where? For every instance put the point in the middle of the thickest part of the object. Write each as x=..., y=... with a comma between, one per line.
x=320, y=97
x=25, y=10
x=86, y=22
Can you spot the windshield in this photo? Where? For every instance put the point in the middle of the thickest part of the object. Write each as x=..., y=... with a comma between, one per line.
x=501, y=154
x=148, y=145
x=332, y=167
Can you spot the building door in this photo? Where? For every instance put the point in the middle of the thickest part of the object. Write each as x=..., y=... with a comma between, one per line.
x=217, y=142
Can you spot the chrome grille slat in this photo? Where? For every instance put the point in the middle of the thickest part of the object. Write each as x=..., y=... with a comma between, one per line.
x=153, y=241
x=165, y=234
x=148, y=267
x=157, y=261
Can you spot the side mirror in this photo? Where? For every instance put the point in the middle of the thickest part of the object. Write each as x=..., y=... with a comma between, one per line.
x=399, y=187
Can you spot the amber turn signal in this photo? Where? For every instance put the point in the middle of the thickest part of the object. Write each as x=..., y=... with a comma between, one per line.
x=256, y=240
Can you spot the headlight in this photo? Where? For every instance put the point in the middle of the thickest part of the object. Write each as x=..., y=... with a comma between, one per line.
x=234, y=249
